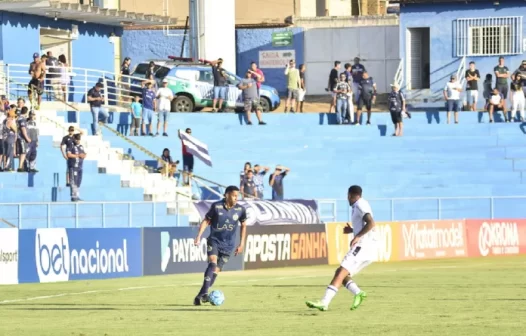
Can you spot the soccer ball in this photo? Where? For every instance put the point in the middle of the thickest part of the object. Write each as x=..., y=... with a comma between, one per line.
x=216, y=298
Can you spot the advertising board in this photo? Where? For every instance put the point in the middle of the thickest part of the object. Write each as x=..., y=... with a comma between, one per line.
x=171, y=250
x=8, y=256
x=496, y=237
x=59, y=254
x=285, y=245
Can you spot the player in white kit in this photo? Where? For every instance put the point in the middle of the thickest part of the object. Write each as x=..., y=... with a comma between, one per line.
x=362, y=253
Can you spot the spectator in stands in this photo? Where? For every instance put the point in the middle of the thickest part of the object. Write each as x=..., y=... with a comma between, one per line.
x=250, y=97
x=33, y=133
x=367, y=91
x=276, y=182
x=148, y=107
x=150, y=73
x=23, y=141
x=248, y=187
x=357, y=74
x=65, y=76
x=246, y=168
x=517, y=97
x=452, y=96
x=472, y=86
x=257, y=75
x=293, y=85
x=188, y=161
x=165, y=96
x=166, y=165
x=333, y=79
x=20, y=104
x=76, y=156
x=496, y=102
x=488, y=89
x=4, y=104
x=303, y=89
x=343, y=91
x=125, y=79
x=3, y=116
x=397, y=107
x=502, y=74
x=95, y=99
x=136, y=111
x=37, y=71
x=220, y=85
x=53, y=75
x=259, y=172
x=521, y=71
x=67, y=142
x=349, y=117
x=10, y=134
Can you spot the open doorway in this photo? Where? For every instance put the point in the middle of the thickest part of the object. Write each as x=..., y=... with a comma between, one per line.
x=418, y=58
x=56, y=41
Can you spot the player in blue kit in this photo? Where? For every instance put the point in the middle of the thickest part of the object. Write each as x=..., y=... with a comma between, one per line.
x=223, y=218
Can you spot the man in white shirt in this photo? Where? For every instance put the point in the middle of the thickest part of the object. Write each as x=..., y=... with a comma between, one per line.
x=496, y=103
x=165, y=96
x=362, y=253
x=452, y=96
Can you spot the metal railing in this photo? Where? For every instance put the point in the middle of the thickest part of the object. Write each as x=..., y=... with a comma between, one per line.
x=86, y=214
x=428, y=208
x=461, y=71
x=72, y=84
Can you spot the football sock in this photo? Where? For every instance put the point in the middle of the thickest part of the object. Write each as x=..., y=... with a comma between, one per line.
x=214, y=276
x=353, y=287
x=330, y=293
x=209, y=273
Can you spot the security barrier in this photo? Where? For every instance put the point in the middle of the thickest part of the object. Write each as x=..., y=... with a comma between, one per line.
x=60, y=254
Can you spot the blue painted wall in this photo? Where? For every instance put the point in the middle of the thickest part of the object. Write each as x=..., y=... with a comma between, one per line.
x=20, y=38
x=142, y=45
x=440, y=19
x=251, y=41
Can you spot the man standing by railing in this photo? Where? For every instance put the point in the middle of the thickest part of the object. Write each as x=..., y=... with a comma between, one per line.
x=95, y=100
x=33, y=133
x=23, y=140
x=37, y=71
x=76, y=156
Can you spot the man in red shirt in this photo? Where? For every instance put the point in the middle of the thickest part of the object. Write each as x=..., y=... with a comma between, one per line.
x=188, y=161
x=257, y=75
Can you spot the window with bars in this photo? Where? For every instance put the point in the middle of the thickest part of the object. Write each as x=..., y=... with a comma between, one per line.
x=489, y=36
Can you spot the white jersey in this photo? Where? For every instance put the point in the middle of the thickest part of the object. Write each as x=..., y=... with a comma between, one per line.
x=359, y=209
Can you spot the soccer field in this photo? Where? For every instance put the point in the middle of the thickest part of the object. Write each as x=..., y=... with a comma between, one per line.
x=485, y=296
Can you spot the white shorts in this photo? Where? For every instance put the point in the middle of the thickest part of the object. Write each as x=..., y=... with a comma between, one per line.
x=473, y=96
x=360, y=256
x=518, y=102
x=301, y=95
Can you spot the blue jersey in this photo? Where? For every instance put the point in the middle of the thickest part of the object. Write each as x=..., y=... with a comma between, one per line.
x=75, y=163
x=148, y=96
x=224, y=222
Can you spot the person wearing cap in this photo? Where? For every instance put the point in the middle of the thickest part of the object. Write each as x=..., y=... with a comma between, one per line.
x=222, y=218
x=67, y=142
x=36, y=84
x=357, y=71
x=33, y=133
x=521, y=74
x=276, y=182
x=165, y=96
x=220, y=85
x=397, y=107
x=76, y=156
x=23, y=141
x=10, y=134
x=452, y=96
x=148, y=107
x=95, y=100
x=502, y=73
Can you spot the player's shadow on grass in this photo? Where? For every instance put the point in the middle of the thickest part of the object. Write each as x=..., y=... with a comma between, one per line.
x=279, y=286
x=117, y=307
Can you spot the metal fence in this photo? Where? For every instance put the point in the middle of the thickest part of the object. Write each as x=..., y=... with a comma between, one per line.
x=91, y=214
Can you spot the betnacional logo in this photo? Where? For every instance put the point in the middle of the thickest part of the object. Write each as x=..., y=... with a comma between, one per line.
x=285, y=246
x=165, y=250
x=498, y=238
x=56, y=261
x=433, y=239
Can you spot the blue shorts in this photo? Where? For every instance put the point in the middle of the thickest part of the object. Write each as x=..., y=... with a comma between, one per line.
x=163, y=116
x=453, y=105
x=214, y=248
x=220, y=92
x=147, y=116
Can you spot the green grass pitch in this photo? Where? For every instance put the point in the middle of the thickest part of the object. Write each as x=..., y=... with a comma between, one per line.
x=480, y=297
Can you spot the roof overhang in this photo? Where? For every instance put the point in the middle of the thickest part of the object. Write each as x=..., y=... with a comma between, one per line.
x=78, y=12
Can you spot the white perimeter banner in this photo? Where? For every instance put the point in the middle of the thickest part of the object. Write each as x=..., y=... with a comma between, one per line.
x=8, y=256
